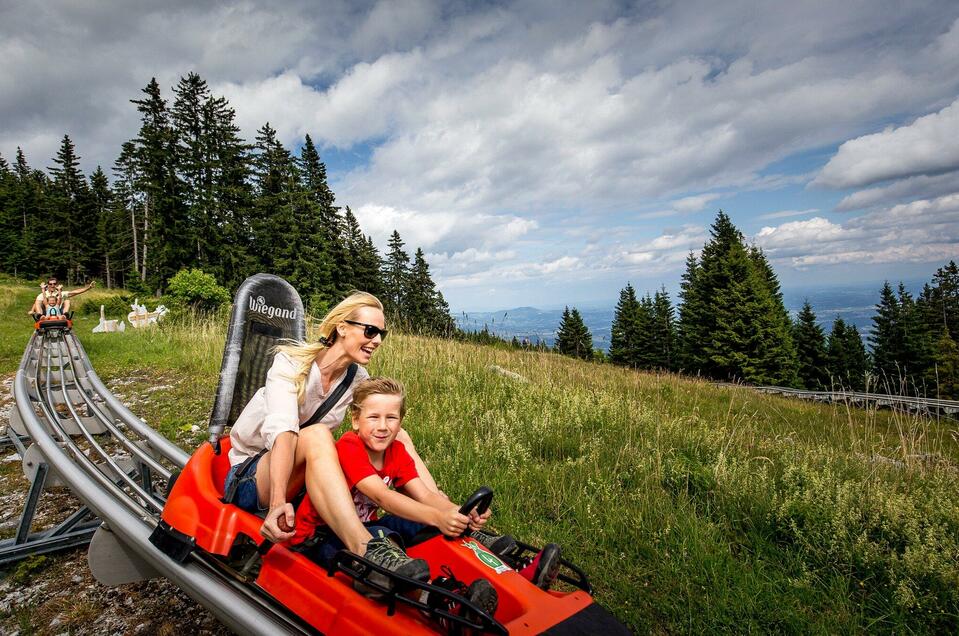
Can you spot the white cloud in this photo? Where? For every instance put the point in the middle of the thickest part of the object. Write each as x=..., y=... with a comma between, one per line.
x=920, y=187
x=917, y=232
x=661, y=253
x=783, y=214
x=694, y=203
x=441, y=231
x=927, y=146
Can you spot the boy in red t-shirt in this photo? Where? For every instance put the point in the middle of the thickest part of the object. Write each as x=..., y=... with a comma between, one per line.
x=372, y=462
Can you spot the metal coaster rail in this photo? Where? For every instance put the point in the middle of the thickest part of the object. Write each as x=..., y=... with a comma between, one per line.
x=931, y=406
x=118, y=475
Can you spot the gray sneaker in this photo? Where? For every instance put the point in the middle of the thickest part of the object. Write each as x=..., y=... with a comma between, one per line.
x=498, y=544
x=386, y=554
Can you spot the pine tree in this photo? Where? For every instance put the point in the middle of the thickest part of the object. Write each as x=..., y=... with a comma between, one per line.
x=231, y=195
x=128, y=206
x=396, y=273
x=943, y=373
x=645, y=343
x=161, y=252
x=70, y=221
x=811, y=350
x=732, y=322
x=939, y=302
x=885, y=337
x=624, y=333
x=664, y=331
x=103, y=257
x=692, y=320
x=901, y=343
x=279, y=244
x=330, y=232
x=192, y=165
x=11, y=228
x=424, y=306
x=857, y=359
x=365, y=261
x=572, y=337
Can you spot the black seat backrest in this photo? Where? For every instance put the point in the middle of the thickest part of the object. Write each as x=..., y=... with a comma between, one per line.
x=266, y=310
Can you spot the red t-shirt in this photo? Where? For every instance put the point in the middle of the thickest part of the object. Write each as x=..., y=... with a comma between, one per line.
x=398, y=469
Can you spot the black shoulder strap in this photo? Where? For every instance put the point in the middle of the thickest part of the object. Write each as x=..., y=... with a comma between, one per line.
x=333, y=397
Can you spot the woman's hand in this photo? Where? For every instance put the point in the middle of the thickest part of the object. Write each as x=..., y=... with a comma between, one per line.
x=450, y=522
x=279, y=523
x=477, y=520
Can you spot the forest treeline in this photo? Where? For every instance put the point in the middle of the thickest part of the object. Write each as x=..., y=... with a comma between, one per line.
x=188, y=192
x=732, y=325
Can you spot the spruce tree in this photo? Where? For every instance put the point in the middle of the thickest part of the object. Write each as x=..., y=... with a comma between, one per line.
x=733, y=324
x=70, y=220
x=396, y=274
x=424, y=306
x=885, y=339
x=103, y=259
x=664, y=331
x=692, y=320
x=230, y=194
x=330, y=232
x=943, y=373
x=857, y=359
x=162, y=253
x=12, y=252
x=365, y=261
x=192, y=161
x=939, y=301
x=811, y=350
x=624, y=334
x=645, y=357
x=572, y=337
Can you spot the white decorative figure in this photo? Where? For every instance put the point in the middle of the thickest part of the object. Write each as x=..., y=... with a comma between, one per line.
x=140, y=317
x=106, y=326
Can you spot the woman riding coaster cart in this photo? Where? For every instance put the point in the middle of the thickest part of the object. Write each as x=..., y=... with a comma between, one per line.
x=53, y=300
x=272, y=458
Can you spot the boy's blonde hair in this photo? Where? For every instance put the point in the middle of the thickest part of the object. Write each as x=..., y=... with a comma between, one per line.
x=377, y=386
x=304, y=353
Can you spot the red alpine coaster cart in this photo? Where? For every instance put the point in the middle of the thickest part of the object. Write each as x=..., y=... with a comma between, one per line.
x=325, y=599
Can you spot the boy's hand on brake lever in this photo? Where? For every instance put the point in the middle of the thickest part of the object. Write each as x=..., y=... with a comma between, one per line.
x=450, y=522
x=477, y=520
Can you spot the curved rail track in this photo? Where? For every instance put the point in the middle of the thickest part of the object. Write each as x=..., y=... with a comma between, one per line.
x=80, y=435
x=930, y=406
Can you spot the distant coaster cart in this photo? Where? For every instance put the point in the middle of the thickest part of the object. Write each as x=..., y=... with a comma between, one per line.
x=195, y=522
x=53, y=322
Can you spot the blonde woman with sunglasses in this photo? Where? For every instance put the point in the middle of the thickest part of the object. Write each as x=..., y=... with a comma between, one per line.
x=272, y=458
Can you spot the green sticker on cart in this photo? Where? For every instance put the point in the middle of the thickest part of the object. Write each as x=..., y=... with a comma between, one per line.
x=488, y=559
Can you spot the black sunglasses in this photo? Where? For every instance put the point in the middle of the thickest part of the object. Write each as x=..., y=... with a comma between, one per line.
x=370, y=331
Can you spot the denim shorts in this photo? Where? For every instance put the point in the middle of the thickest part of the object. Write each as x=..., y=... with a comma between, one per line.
x=246, y=497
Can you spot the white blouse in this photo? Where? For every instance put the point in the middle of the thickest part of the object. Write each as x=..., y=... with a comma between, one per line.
x=273, y=409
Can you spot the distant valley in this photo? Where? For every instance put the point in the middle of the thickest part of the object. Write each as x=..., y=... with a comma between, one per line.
x=856, y=304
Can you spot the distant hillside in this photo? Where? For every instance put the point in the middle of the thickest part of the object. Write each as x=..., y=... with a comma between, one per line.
x=855, y=304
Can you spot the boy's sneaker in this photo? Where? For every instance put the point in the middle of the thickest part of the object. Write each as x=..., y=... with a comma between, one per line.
x=498, y=544
x=480, y=593
x=386, y=554
x=544, y=567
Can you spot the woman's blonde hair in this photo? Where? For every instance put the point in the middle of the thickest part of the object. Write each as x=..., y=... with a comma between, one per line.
x=302, y=354
x=377, y=386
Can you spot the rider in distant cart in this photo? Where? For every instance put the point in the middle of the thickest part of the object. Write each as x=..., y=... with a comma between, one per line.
x=53, y=300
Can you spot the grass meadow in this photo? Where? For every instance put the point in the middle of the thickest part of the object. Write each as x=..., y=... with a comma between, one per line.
x=692, y=507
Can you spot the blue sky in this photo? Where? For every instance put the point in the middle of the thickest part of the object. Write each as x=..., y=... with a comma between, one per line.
x=546, y=157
